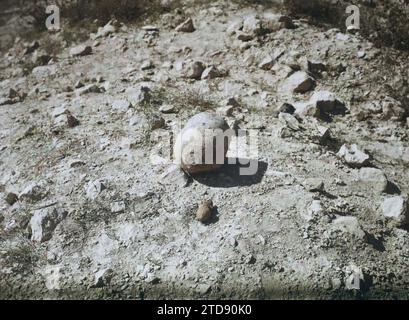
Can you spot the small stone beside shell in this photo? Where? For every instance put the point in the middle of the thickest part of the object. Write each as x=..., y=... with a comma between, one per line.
x=204, y=211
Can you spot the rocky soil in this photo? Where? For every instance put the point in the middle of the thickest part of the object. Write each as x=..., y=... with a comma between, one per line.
x=91, y=205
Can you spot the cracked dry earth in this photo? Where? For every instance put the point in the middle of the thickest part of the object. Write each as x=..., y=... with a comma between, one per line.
x=91, y=208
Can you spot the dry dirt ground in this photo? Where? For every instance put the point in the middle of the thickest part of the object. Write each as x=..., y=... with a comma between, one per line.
x=91, y=208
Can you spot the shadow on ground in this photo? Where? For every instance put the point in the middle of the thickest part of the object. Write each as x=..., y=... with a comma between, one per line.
x=245, y=172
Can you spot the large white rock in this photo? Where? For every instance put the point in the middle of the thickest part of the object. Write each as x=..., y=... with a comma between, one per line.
x=52, y=276
x=121, y=105
x=289, y=120
x=139, y=94
x=193, y=70
x=80, y=50
x=252, y=25
x=374, y=179
x=94, y=188
x=353, y=156
x=396, y=210
x=104, y=31
x=200, y=146
x=315, y=209
x=118, y=206
x=43, y=223
x=210, y=73
x=102, y=277
x=298, y=82
x=321, y=104
x=348, y=224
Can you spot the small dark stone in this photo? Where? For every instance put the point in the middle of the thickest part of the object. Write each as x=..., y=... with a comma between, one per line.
x=11, y=198
x=287, y=108
x=72, y=121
